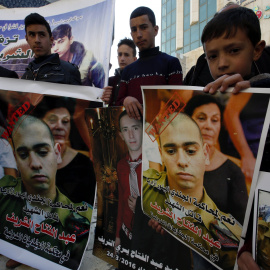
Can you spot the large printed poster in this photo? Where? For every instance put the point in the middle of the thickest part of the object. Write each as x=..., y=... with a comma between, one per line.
x=117, y=144
x=179, y=201
x=82, y=33
x=47, y=187
x=208, y=147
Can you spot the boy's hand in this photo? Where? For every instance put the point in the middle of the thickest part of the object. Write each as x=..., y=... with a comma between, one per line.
x=156, y=226
x=107, y=94
x=246, y=262
x=133, y=107
x=224, y=82
x=132, y=203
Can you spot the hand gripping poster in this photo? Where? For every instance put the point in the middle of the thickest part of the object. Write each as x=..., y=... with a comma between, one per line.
x=82, y=33
x=198, y=197
x=47, y=179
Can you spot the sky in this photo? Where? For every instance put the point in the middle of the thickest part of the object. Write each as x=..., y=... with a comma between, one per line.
x=123, y=9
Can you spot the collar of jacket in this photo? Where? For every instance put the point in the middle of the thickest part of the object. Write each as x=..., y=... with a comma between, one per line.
x=149, y=52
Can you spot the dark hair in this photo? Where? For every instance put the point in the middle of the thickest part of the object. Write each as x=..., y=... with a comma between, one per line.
x=175, y=118
x=35, y=18
x=49, y=103
x=229, y=21
x=25, y=121
x=61, y=31
x=144, y=11
x=122, y=114
x=128, y=42
x=200, y=100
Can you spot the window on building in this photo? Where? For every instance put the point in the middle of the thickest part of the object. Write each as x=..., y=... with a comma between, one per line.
x=192, y=33
x=168, y=26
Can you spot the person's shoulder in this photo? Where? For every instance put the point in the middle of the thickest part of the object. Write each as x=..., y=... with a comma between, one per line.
x=78, y=222
x=9, y=181
x=153, y=174
x=131, y=66
x=82, y=158
x=153, y=179
x=68, y=65
x=82, y=212
x=7, y=73
x=261, y=80
x=222, y=223
x=230, y=165
x=168, y=57
x=122, y=163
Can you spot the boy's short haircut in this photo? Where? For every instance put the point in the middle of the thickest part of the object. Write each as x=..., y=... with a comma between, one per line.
x=140, y=11
x=229, y=21
x=35, y=18
x=128, y=42
x=61, y=31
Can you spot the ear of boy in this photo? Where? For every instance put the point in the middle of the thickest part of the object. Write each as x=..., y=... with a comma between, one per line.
x=258, y=49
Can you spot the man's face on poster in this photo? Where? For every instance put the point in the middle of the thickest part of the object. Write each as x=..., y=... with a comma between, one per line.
x=37, y=158
x=62, y=46
x=184, y=154
x=131, y=133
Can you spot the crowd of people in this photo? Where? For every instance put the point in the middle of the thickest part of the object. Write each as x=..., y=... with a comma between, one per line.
x=232, y=57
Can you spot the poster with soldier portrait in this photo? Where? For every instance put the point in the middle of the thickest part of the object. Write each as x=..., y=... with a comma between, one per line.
x=47, y=178
x=199, y=195
x=117, y=144
x=82, y=33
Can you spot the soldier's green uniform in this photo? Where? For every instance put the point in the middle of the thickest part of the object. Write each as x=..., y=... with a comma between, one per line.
x=263, y=244
x=223, y=238
x=56, y=243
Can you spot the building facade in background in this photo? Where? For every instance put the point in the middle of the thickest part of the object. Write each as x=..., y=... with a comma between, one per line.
x=182, y=23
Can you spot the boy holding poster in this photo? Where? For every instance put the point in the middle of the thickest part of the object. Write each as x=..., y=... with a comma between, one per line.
x=230, y=51
x=230, y=47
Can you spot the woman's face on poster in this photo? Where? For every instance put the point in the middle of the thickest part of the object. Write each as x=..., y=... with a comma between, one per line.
x=59, y=122
x=208, y=118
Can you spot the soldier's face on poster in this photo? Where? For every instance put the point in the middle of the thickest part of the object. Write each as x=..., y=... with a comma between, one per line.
x=131, y=133
x=62, y=46
x=59, y=122
x=37, y=158
x=183, y=154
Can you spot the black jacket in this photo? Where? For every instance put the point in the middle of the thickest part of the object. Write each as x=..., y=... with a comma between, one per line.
x=114, y=81
x=52, y=69
x=8, y=73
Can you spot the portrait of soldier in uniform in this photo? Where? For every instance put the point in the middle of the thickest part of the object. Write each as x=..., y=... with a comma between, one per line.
x=176, y=197
x=34, y=214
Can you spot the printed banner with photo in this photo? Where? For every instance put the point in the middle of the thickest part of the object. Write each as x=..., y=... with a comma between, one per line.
x=261, y=220
x=199, y=191
x=117, y=144
x=47, y=187
x=82, y=33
